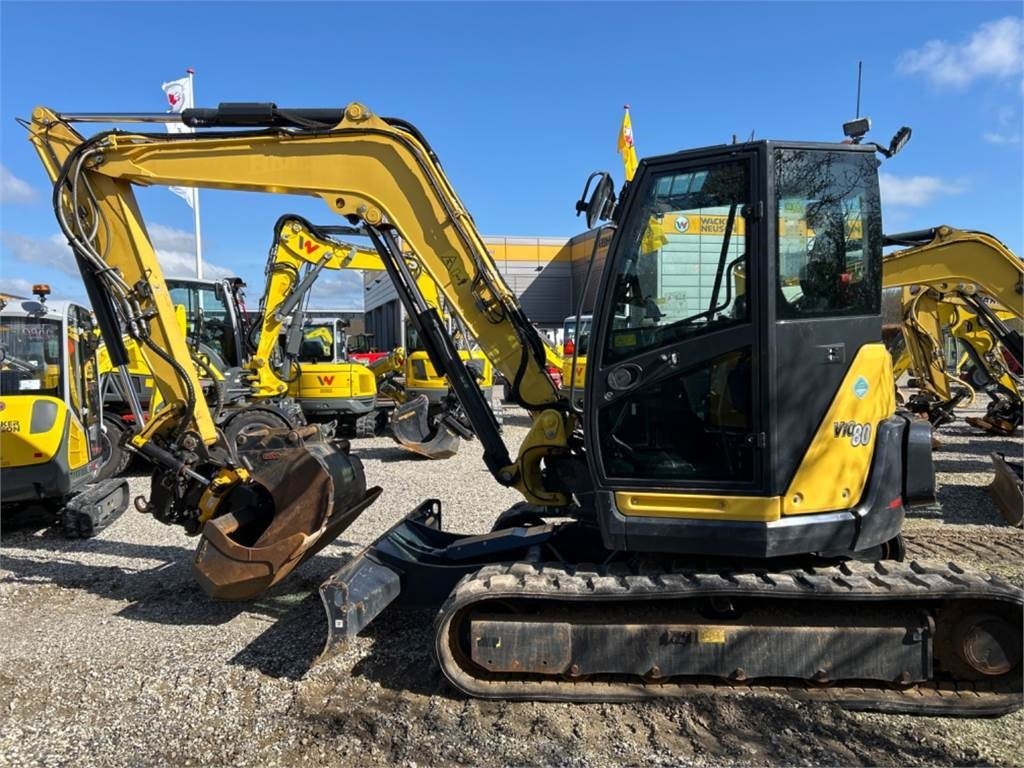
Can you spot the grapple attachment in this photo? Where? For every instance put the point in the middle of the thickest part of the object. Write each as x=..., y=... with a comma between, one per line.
x=415, y=430
x=301, y=499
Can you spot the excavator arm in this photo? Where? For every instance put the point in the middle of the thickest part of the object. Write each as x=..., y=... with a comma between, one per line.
x=376, y=172
x=961, y=262
x=299, y=253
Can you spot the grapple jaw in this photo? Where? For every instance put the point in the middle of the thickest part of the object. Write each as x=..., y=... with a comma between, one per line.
x=302, y=497
x=415, y=430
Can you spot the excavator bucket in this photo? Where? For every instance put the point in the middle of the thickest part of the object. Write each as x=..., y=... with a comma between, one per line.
x=1007, y=489
x=302, y=498
x=413, y=429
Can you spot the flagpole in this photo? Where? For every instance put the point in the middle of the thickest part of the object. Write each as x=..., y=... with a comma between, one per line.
x=195, y=190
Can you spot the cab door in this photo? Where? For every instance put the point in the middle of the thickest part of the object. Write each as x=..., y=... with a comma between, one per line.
x=675, y=364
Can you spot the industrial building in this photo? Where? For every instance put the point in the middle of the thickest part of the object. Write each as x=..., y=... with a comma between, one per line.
x=546, y=273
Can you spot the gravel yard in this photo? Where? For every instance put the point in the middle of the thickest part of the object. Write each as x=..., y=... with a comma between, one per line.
x=112, y=656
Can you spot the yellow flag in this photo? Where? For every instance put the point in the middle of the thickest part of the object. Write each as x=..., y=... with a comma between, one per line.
x=626, y=146
x=654, y=236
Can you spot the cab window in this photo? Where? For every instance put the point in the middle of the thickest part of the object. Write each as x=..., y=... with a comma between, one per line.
x=30, y=357
x=829, y=234
x=685, y=259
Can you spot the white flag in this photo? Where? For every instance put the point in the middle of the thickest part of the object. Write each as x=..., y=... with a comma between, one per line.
x=188, y=194
x=179, y=98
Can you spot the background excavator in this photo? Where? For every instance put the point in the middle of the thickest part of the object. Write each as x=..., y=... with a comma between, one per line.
x=971, y=284
x=278, y=371
x=417, y=405
x=211, y=315
x=724, y=511
x=979, y=363
x=52, y=442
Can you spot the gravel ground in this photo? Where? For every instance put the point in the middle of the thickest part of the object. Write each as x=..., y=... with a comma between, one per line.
x=113, y=657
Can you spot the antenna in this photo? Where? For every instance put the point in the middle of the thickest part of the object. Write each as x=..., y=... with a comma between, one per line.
x=860, y=71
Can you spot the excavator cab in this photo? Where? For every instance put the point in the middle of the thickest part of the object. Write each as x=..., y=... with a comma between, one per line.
x=52, y=443
x=212, y=318
x=749, y=366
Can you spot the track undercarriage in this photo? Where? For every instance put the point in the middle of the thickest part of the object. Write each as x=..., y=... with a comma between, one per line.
x=524, y=616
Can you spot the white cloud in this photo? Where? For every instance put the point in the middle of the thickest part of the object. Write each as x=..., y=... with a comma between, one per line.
x=47, y=252
x=341, y=291
x=174, y=249
x=914, y=191
x=16, y=285
x=171, y=238
x=13, y=189
x=183, y=264
x=994, y=137
x=995, y=49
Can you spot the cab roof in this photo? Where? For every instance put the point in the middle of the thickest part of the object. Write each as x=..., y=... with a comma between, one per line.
x=50, y=309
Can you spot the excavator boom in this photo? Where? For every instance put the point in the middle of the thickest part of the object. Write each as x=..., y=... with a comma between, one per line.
x=257, y=522
x=374, y=170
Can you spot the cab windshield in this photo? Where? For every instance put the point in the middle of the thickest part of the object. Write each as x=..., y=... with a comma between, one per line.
x=30, y=351
x=207, y=321
x=317, y=344
x=686, y=256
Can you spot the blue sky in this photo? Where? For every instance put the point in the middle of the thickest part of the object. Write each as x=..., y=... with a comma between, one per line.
x=522, y=101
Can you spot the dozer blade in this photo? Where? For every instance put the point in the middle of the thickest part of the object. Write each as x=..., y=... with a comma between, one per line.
x=1007, y=489
x=411, y=427
x=301, y=499
x=415, y=563
x=92, y=510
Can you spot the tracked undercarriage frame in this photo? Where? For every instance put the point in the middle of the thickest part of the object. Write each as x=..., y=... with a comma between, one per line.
x=919, y=637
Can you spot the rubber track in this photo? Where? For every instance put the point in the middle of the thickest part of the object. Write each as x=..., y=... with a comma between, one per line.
x=883, y=581
x=366, y=425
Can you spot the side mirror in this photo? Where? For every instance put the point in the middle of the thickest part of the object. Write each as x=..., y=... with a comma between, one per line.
x=899, y=141
x=599, y=206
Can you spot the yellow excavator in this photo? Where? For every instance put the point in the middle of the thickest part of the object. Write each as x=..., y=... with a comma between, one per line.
x=211, y=315
x=983, y=365
x=420, y=410
x=972, y=284
x=52, y=442
x=322, y=379
x=724, y=511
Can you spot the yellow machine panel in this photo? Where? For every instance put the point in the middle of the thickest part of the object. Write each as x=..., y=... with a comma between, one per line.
x=835, y=467
x=31, y=430
x=333, y=380
x=748, y=508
